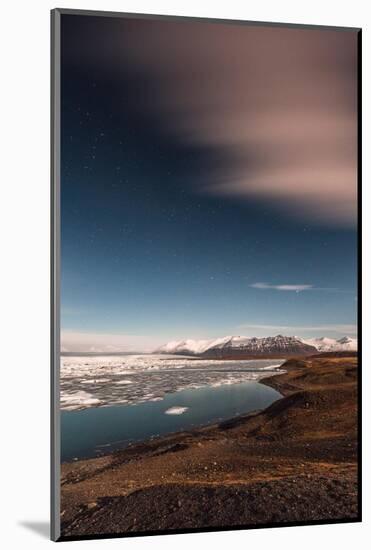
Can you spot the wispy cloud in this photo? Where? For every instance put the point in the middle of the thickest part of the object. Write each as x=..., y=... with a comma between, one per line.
x=287, y=288
x=294, y=148
x=296, y=287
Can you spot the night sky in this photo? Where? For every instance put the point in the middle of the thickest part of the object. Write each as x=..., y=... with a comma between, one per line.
x=208, y=182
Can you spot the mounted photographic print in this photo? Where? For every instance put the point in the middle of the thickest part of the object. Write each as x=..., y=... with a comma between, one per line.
x=205, y=274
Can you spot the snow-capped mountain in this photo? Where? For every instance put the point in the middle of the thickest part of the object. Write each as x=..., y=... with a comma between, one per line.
x=238, y=346
x=191, y=347
x=330, y=344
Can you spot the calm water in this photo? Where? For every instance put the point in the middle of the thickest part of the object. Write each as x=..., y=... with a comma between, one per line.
x=94, y=431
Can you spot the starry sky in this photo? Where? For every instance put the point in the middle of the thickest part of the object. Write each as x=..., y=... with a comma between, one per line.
x=208, y=182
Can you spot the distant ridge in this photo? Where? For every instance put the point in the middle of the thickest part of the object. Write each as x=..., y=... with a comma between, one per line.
x=330, y=344
x=271, y=346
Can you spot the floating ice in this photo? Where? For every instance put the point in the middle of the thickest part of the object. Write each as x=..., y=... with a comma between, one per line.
x=176, y=410
x=78, y=400
x=130, y=379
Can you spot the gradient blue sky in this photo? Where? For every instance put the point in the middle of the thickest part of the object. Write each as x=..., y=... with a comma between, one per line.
x=155, y=245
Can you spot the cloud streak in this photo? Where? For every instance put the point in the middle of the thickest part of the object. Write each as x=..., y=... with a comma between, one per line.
x=297, y=288
x=285, y=288
x=277, y=106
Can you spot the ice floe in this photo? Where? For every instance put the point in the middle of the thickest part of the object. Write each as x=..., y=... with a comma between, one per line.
x=78, y=400
x=176, y=410
x=131, y=379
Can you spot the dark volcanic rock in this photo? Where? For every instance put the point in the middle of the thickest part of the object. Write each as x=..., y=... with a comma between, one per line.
x=180, y=507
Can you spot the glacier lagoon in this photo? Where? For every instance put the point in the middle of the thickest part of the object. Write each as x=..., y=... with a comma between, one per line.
x=94, y=431
x=111, y=401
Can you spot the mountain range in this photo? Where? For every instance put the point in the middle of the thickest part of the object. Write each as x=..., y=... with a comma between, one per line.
x=330, y=344
x=243, y=346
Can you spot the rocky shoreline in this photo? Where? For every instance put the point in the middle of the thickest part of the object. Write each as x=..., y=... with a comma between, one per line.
x=295, y=461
